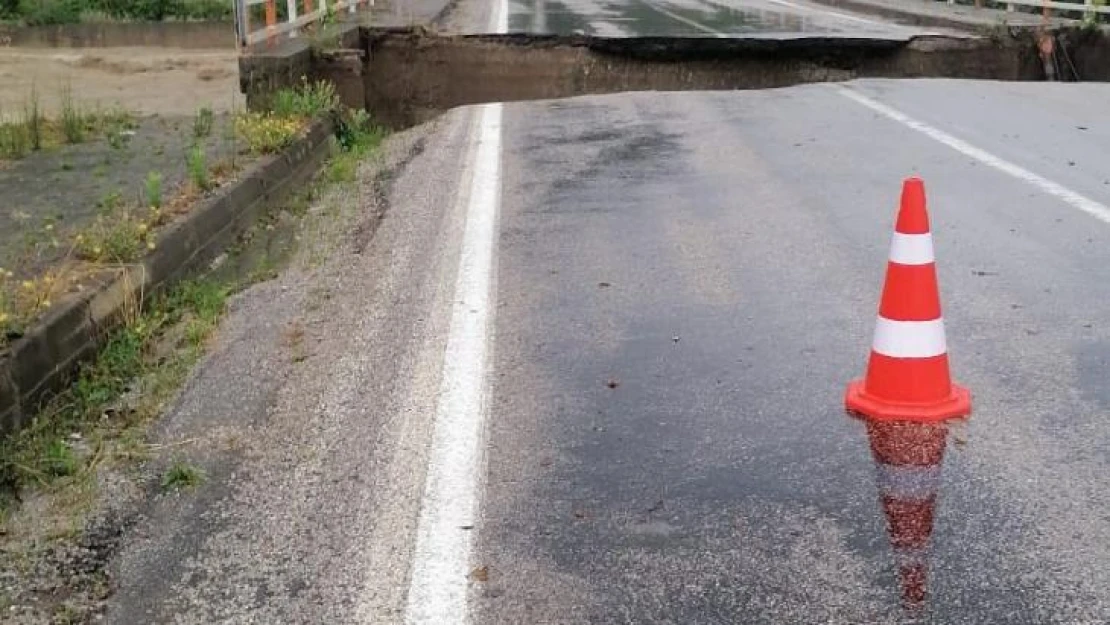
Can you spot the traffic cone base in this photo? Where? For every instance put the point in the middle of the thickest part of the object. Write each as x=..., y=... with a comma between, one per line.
x=958, y=404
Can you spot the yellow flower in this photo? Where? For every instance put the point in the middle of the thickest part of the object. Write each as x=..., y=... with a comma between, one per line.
x=49, y=227
x=96, y=250
x=27, y=284
x=3, y=318
x=79, y=238
x=150, y=245
x=142, y=228
x=46, y=303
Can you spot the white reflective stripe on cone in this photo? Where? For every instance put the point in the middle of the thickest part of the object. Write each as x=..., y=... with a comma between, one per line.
x=909, y=339
x=912, y=249
x=908, y=482
x=911, y=556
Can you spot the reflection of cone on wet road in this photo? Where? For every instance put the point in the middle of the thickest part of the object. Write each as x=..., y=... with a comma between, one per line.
x=907, y=374
x=908, y=457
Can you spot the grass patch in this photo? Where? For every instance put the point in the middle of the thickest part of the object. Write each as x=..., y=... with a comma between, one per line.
x=30, y=130
x=196, y=162
x=182, y=476
x=120, y=236
x=358, y=136
x=152, y=189
x=308, y=100
x=74, y=124
x=23, y=301
x=94, y=410
x=290, y=111
x=33, y=120
x=266, y=133
x=202, y=124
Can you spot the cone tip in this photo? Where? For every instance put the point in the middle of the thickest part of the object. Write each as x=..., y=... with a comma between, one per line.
x=913, y=218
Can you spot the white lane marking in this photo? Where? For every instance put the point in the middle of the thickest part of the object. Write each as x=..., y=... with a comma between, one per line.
x=852, y=18
x=909, y=339
x=1077, y=200
x=438, y=584
x=687, y=21
x=500, y=19
x=911, y=249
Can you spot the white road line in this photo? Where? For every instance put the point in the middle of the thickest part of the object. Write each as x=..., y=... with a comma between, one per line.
x=853, y=18
x=1077, y=200
x=438, y=584
x=687, y=21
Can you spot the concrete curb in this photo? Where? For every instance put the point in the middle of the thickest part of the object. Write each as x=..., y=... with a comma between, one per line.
x=42, y=361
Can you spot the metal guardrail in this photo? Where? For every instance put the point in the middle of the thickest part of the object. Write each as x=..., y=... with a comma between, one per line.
x=298, y=14
x=1088, y=7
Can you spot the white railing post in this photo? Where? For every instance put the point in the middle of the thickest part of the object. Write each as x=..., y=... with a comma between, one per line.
x=291, y=8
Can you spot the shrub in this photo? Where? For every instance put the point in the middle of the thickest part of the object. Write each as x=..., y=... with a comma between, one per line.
x=119, y=236
x=306, y=101
x=266, y=133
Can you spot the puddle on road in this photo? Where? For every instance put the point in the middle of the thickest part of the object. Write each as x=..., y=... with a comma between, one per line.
x=908, y=459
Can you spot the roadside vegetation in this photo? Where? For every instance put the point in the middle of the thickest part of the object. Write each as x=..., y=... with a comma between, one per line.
x=28, y=129
x=126, y=225
x=49, y=12
x=56, y=475
x=101, y=419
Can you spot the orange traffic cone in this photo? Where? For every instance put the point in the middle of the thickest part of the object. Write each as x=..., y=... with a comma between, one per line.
x=908, y=457
x=907, y=375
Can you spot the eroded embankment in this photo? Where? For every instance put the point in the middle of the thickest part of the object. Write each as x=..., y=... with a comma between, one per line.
x=411, y=76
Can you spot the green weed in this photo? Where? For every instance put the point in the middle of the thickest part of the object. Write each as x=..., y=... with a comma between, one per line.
x=182, y=476
x=265, y=133
x=152, y=189
x=33, y=120
x=196, y=162
x=202, y=124
x=357, y=136
x=305, y=101
x=41, y=455
x=118, y=235
x=73, y=120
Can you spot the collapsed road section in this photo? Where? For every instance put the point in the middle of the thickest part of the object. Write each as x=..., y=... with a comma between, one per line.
x=441, y=72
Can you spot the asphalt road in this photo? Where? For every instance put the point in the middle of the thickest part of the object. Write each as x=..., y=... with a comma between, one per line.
x=719, y=258
x=591, y=369
x=696, y=18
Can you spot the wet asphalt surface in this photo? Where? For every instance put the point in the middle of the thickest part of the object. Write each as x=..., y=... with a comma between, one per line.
x=696, y=18
x=686, y=284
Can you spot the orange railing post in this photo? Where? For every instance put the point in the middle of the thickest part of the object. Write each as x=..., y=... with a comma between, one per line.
x=271, y=20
